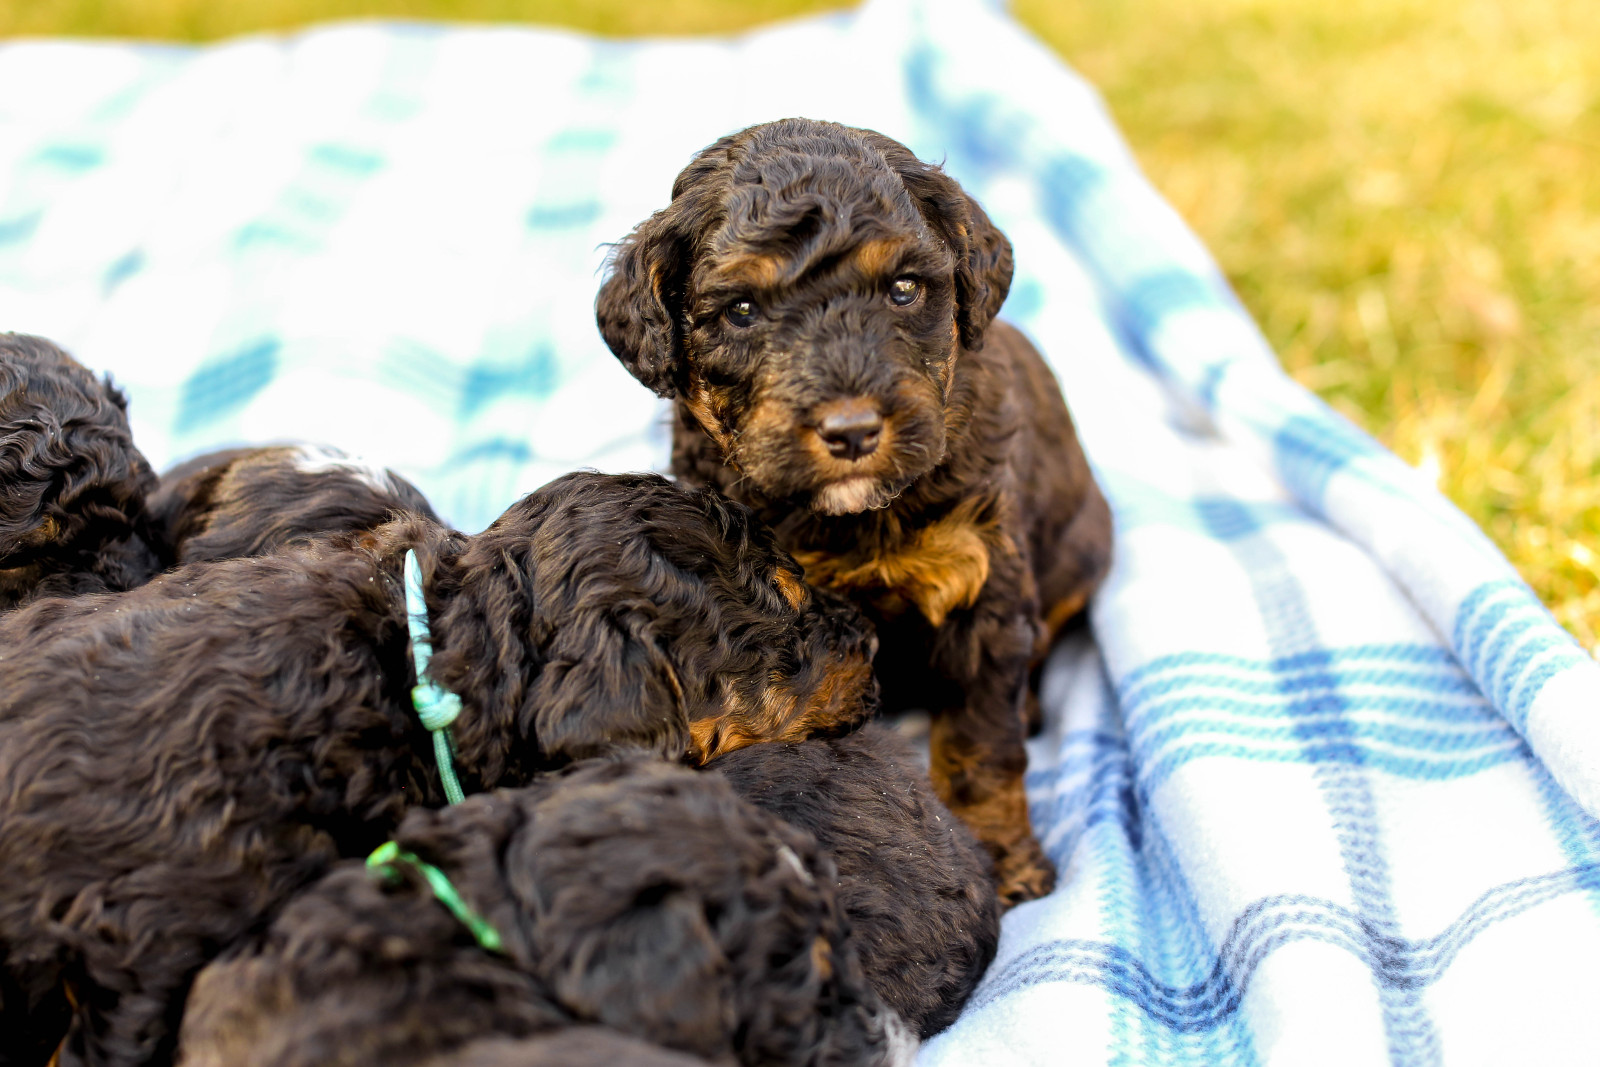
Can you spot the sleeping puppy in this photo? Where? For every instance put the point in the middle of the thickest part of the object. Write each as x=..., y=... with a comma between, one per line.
x=72, y=509
x=821, y=305
x=250, y=501
x=913, y=882
x=176, y=760
x=630, y=894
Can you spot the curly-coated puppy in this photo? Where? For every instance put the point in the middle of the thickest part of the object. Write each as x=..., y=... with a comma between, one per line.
x=72, y=485
x=913, y=881
x=249, y=501
x=821, y=304
x=581, y=1046
x=177, y=759
x=631, y=894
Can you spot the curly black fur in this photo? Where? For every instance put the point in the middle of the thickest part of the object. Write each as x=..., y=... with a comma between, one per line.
x=913, y=881
x=820, y=303
x=632, y=894
x=177, y=759
x=249, y=501
x=72, y=485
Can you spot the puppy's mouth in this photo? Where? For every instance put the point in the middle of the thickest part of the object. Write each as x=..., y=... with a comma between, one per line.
x=850, y=496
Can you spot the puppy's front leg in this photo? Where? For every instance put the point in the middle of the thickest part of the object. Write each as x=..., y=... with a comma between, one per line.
x=977, y=751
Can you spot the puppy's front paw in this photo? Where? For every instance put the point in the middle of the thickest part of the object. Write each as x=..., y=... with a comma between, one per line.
x=1023, y=873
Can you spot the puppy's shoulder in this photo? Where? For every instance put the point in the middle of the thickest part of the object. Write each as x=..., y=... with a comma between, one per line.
x=1047, y=437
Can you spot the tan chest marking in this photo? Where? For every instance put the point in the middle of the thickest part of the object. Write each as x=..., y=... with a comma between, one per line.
x=941, y=567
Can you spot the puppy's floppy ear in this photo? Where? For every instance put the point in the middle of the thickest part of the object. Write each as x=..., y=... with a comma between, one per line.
x=982, y=252
x=641, y=303
x=983, y=286
x=640, y=306
x=605, y=686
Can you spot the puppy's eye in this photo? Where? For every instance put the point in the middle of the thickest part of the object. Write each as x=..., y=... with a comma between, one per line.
x=740, y=313
x=903, y=292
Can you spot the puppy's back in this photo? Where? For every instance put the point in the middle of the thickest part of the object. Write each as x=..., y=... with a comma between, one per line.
x=1068, y=523
x=250, y=501
x=192, y=687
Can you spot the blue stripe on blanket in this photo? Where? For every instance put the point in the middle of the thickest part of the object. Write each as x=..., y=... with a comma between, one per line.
x=224, y=386
x=1404, y=966
x=1337, y=760
x=1325, y=706
x=1311, y=450
x=1506, y=636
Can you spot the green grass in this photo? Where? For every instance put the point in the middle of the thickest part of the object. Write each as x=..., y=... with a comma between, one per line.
x=1406, y=193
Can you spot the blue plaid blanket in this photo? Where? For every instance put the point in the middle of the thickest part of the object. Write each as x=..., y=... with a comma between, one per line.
x=1321, y=787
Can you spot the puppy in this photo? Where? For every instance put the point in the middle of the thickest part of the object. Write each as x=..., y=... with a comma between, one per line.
x=631, y=894
x=913, y=881
x=72, y=513
x=821, y=305
x=176, y=760
x=250, y=501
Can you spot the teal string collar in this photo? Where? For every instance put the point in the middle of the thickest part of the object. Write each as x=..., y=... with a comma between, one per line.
x=386, y=856
x=436, y=707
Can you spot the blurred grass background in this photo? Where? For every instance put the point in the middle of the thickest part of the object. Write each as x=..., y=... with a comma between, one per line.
x=1406, y=193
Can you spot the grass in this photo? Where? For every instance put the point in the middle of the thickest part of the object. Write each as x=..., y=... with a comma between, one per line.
x=203, y=20
x=1406, y=193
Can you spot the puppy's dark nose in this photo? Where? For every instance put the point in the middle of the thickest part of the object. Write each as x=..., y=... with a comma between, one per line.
x=851, y=430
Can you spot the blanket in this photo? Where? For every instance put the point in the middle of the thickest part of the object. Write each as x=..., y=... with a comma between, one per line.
x=1321, y=779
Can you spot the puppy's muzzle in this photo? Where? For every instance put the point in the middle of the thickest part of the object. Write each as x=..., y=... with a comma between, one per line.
x=851, y=429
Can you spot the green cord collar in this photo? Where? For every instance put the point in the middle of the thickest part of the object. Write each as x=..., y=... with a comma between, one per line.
x=436, y=707
x=386, y=856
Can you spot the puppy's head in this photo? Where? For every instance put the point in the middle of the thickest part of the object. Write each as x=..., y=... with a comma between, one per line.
x=664, y=907
x=915, y=884
x=806, y=295
x=74, y=485
x=608, y=612
x=248, y=501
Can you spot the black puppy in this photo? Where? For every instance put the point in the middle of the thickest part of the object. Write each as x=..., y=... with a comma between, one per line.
x=632, y=894
x=72, y=485
x=176, y=760
x=821, y=304
x=913, y=881
x=249, y=501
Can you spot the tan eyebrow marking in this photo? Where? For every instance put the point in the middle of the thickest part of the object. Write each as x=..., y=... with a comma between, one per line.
x=754, y=270
x=879, y=255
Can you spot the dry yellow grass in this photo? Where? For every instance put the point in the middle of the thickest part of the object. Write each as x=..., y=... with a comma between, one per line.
x=1406, y=193
x=202, y=20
